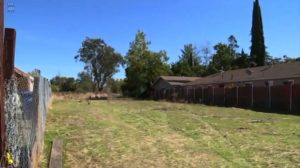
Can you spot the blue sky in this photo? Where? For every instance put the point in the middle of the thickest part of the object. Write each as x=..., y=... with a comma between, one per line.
x=50, y=32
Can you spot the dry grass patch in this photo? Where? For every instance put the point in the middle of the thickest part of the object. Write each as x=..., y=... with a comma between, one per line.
x=160, y=134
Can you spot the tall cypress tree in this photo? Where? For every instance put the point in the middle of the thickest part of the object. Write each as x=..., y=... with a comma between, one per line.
x=258, y=48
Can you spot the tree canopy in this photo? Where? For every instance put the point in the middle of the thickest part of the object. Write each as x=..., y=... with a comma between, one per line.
x=224, y=57
x=101, y=60
x=189, y=63
x=258, y=48
x=114, y=85
x=241, y=61
x=143, y=66
x=63, y=84
x=84, y=82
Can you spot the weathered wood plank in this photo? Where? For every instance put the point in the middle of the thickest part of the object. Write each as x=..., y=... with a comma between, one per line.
x=2, y=123
x=9, y=52
x=56, y=154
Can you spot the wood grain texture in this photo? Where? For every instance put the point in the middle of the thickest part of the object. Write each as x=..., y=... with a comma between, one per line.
x=9, y=52
x=56, y=154
x=2, y=122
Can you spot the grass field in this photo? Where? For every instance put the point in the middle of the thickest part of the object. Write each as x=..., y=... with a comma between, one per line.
x=160, y=134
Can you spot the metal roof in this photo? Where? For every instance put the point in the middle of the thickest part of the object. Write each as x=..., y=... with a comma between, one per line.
x=179, y=78
x=269, y=72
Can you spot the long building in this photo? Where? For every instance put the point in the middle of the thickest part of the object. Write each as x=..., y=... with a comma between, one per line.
x=275, y=87
x=278, y=74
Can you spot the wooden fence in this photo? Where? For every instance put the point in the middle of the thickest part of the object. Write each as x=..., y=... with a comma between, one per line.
x=2, y=91
x=7, y=55
x=31, y=148
x=284, y=98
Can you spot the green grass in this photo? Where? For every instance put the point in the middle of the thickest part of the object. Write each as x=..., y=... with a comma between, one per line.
x=161, y=134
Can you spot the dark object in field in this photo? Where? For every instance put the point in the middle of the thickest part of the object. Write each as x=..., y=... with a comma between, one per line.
x=98, y=98
x=242, y=128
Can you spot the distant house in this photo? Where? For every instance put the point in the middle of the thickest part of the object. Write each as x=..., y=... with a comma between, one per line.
x=271, y=87
x=275, y=87
x=274, y=75
x=24, y=80
x=166, y=84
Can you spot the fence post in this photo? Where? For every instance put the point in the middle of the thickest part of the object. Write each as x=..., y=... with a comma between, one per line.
x=194, y=95
x=159, y=95
x=2, y=96
x=270, y=84
x=180, y=94
x=187, y=94
x=252, y=100
x=237, y=96
x=171, y=93
x=39, y=112
x=213, y=95
x=291, y=83
x=224, y=96
x=9, y=52
x=202, y=95
x=270, y=96
x=247, y=85
x=174, y=94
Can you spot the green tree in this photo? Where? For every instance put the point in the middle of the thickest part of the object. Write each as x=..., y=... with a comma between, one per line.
x=114, y=85
x=190, y=54
x=84, y=82
x=63, y=84
x=143, y=66
x=279, y=60
x=182, y=68
x=226, y=57
x=242, y=60
x=100, y=59
x=233, y=43
x=189, y=63
x=258, y=48
x=223, y=58
x=206, y=52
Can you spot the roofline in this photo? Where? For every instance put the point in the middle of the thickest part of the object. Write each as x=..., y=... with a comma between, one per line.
x=162, y=77
x=156, y=81
x=181, y=76
x=250, y=68
x=22, y=73
x=240, y=81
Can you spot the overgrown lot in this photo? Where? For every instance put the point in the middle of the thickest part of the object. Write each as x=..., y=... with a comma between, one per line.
x=160, y=134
